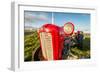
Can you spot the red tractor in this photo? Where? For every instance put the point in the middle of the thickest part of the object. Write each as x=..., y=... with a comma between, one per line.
x=52, y=41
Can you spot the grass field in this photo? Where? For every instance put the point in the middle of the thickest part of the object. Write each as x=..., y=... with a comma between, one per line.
x=85, y=52
x=31, y=43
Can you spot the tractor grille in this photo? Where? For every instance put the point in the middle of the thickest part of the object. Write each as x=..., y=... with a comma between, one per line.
x=46, y=44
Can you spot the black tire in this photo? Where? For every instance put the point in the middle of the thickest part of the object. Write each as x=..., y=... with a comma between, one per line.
x=36, y=55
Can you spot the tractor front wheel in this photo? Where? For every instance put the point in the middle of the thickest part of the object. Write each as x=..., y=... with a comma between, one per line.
x=38, y=55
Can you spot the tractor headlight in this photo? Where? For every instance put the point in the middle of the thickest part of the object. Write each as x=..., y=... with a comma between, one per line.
x=68, y=28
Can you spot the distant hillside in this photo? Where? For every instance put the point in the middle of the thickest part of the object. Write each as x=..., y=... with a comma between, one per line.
x=30, y=28
x=87, y=34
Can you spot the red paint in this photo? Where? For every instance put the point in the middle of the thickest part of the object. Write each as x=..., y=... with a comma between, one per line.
x=58, y=35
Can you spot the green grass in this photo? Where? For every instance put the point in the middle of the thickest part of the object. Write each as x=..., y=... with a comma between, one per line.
x=31, y=42
x=85, y=52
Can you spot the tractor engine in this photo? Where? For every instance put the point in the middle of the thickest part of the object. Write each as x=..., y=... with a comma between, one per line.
x=52, y=39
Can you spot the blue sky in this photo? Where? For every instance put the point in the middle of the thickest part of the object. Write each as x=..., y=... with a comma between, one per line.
x=37, y=19
x=80, y=20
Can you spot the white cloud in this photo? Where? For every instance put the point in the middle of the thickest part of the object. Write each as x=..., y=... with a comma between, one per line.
x=34, y=17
